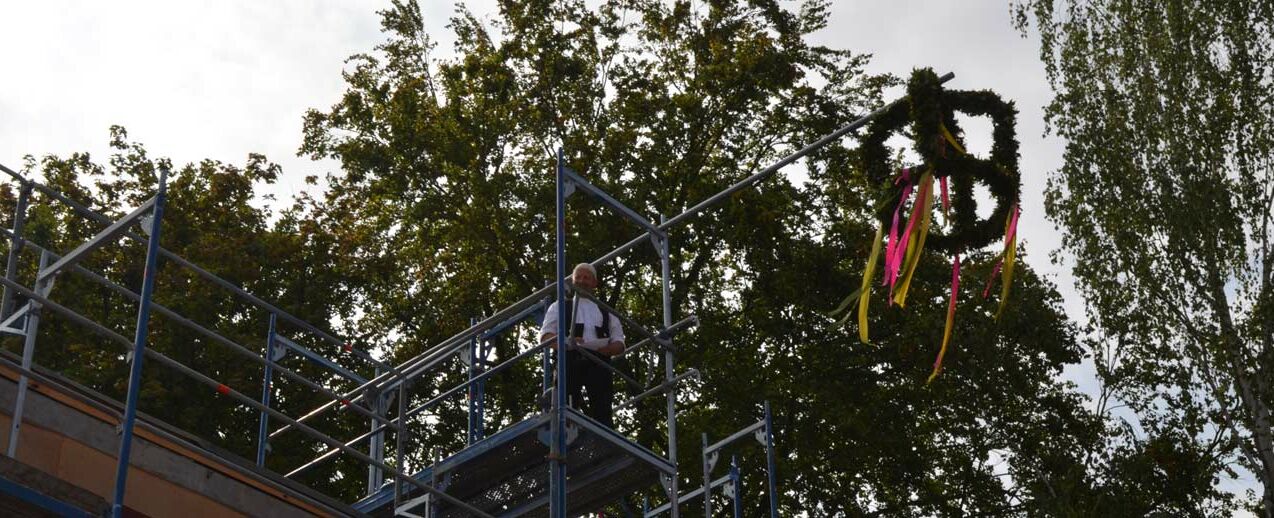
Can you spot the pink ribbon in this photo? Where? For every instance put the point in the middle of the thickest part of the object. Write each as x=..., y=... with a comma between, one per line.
x=900, y=252
x=994, y=272
x=946, y=200
x=890, y=271
x=1012, y=233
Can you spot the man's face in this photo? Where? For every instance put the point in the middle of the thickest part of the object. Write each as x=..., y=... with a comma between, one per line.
x=585, y=279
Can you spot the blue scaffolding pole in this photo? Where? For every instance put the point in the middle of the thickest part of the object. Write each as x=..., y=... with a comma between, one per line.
x=770, y=463
x=263, y=431
x=736, y=479
x=139, y=345
x=475, y=390
x=763, y=432
x=557, y=450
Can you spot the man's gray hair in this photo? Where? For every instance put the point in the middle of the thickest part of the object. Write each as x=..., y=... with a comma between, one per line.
x=585, y=266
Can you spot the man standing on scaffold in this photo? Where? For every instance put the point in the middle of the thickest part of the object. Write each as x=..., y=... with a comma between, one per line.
x=595, y=332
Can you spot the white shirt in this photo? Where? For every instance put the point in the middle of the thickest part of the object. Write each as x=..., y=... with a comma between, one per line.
x=588, y=314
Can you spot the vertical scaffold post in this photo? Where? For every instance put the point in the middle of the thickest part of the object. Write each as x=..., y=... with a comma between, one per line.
x=736, y=480
x=480, y=407
x=15, y=248
x=770, y=462
x=139, y=346
x=546, y=365
x=557, y=450
x=670, y=360
x=376, y=443
x=473, y=393
x=263, y=431
x=28, y=356
x=401, y=438
x=707, y=479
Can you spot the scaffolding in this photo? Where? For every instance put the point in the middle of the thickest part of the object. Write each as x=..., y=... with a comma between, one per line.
x=503, y=474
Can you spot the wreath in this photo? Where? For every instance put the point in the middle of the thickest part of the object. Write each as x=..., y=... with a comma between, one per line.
x=929, y=112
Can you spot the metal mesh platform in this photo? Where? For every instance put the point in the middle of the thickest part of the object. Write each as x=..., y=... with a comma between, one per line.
x=507, y=474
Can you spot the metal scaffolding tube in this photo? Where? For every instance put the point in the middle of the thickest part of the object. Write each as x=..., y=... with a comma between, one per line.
x=31, y=329
x=209, y=276
x=139, y=339
x=8, y=360
x=688, y=496
x=657, y=389
x=213, y=335
x=223, y=389
x=376, y=445
x=749, y=430
x=610, y=202
x=668, y=333
x=770, y=462
x=102, y=238
x=707, y=478
x=471, y=428
x=227, y=391
x=321, y=360
x=557, y=431
x=266, y=386
x=15, y=247
x=400, y=440
x=736, y=478
x=670, y=360
x=415, y=367
x=411, y=413
x=365, y=388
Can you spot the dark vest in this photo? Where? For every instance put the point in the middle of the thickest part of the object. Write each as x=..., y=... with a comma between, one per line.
x=577, y=328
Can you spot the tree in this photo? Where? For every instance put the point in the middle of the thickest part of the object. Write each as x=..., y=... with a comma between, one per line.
x=1165, y=200
x=443, y=212
x=210, y=220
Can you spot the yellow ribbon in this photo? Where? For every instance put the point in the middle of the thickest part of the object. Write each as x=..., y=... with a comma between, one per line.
x=946, y=133
x=1010, y=253
x=866, y=289
x=946, y=330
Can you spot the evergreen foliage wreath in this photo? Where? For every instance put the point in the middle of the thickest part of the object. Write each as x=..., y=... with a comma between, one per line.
x=928, y=109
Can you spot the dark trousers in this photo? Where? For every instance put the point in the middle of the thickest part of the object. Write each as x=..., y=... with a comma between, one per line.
x=583, y=374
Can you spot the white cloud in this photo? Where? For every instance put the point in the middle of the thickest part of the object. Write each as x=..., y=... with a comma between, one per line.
x=190, y=80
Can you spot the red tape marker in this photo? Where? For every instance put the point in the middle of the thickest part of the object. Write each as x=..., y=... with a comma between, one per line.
x=223, y=390
x=348, y=347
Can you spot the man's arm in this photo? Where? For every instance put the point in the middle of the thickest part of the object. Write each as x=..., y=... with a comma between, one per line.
x=616, y=345
x=548, y=329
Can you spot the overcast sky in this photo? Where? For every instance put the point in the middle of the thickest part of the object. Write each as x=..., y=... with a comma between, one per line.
x=221, y=79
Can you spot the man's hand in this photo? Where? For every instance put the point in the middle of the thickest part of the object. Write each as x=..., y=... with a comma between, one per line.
x=612, y=349
x=571, y=343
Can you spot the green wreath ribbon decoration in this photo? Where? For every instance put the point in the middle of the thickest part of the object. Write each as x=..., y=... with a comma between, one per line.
x=929, y=111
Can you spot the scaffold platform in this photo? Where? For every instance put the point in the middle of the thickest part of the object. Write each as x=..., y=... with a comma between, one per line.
x=504, y=474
